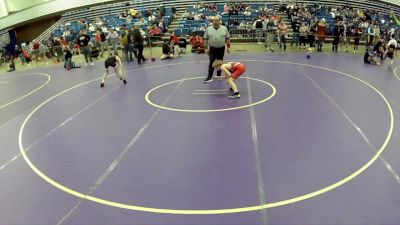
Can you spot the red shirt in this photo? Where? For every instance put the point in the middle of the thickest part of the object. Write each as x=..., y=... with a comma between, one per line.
x=175, y=39
x=36, y=45
x=98, y=37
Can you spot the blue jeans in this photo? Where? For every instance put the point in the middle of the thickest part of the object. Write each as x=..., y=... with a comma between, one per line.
x=128, y=52
x=295, y=39
x=115, y=48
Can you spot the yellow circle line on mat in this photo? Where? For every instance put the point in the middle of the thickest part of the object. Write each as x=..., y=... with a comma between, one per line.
x=214, y=211
x=147, y=97
x=395, y=74
x=30, y=93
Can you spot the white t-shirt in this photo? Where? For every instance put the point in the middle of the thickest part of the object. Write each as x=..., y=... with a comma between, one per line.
x=393, y=42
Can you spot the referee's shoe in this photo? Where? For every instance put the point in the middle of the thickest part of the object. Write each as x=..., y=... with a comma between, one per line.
x=208, y=80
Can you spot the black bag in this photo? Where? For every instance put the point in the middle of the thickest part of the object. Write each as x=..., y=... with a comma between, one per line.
x=259, y=24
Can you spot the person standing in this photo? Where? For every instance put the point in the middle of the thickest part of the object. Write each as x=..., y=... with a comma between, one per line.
x=216, y=37
x=303, y=33
x=126, y=44
x=102, y=42
x=371, y=35
x=296, y=32
x=336, y=37
x=138, y=42
x=83, y=41
x=357, y=32
x=282, y=34
x=321, y=33
x=311, y=35
x=114, y=39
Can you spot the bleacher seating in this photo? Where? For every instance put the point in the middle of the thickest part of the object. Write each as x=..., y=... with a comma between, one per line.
x=112, y=21
x=109, y=13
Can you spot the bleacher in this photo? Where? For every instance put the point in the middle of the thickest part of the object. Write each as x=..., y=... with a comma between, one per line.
x=109, y=13
x=189, y=26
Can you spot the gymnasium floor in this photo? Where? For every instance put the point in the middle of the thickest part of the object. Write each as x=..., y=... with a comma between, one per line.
x=311, y=141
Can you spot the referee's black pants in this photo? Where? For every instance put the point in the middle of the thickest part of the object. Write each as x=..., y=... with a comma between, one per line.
x=215, y=54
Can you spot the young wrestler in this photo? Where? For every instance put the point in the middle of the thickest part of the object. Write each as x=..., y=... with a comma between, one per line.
x=167, y=50
x=114, y=61
x=379, y=49
x=175, y=42
x=69, y=64
x=232, y=71
x=369, y=57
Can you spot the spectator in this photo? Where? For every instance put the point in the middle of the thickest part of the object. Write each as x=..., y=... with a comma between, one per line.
x=186, y=14
x=173, y=10
x=138, y=41
x=104, y=29
x=142, y=22
x=321, y=33
x=336, y=37
x=84, y=41
x=114, y=40
x=58, y=51
x=212, y=7
x=371, y=35
x=91, y=27
x=162, y=25
x=296, y=30
x=258, y=25
x=155, y=31
x=282, y=34
x=134, y=13
x=357, y=32
x=303, y=33
x=42, y=52
x=126, y=44
x=311, y=35
x=35, y=49
x=377, y=32
x=98, y=22
x=240, y=7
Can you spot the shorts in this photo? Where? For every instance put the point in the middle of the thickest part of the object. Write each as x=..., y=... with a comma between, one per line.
x=239, y=71
x=109, y=63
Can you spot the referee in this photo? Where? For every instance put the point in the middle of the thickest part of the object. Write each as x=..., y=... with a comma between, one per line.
x=216, y=36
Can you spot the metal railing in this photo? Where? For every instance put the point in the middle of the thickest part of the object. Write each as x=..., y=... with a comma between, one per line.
x=46, y=34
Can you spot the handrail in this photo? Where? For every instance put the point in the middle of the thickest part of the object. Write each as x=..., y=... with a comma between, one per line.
x=46, y=34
